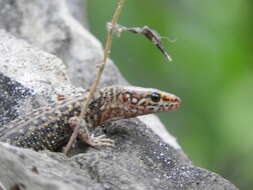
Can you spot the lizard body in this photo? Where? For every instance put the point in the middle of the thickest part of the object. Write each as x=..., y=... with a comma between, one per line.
x=48, y=127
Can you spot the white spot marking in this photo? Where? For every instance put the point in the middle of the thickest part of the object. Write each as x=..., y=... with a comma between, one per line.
x=134, y=100
x=134, y=110
x=141, y=101
x=113, y=105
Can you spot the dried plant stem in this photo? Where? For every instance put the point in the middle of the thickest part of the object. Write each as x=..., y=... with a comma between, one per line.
x=101, y=66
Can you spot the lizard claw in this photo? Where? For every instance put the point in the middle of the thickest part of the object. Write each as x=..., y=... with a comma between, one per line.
x=100, y=141
x=96, y=141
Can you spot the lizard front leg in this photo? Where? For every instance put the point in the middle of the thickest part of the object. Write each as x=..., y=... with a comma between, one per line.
x=85, y=136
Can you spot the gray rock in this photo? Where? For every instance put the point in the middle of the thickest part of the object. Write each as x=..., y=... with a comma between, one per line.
x=50, y=26
x=145, y=155
x=77, y=8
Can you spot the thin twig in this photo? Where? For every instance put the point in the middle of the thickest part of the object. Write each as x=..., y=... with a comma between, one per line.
x=101, y=67
x=149, y=33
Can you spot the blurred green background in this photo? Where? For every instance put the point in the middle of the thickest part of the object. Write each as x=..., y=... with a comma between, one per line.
x=211, y=45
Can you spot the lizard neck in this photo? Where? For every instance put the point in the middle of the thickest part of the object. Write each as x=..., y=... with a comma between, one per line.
x=103, y=107
x=108, y=105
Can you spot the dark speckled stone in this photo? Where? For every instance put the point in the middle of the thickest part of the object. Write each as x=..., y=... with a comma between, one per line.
x=12, y=95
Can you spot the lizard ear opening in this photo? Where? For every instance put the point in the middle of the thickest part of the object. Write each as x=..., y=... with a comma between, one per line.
x=155, y=97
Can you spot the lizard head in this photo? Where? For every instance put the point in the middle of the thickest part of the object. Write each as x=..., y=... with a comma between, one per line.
x=147, y=100
x=123, y=102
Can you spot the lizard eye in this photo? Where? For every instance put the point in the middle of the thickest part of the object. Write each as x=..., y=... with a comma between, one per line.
x=155, y=97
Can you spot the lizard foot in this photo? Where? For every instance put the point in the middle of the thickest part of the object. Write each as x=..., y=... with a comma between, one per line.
x=101, y=140
x=96, y=141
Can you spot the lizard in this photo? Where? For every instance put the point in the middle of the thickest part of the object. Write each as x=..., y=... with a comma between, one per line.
x=51, y=126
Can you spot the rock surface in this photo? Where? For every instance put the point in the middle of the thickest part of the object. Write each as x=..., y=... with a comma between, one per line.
x=145, y=156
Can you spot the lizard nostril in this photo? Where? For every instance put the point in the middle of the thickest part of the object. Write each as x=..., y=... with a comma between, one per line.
x=176, y=100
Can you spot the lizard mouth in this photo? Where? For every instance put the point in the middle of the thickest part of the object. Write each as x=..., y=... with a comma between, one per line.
x=175, y=104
